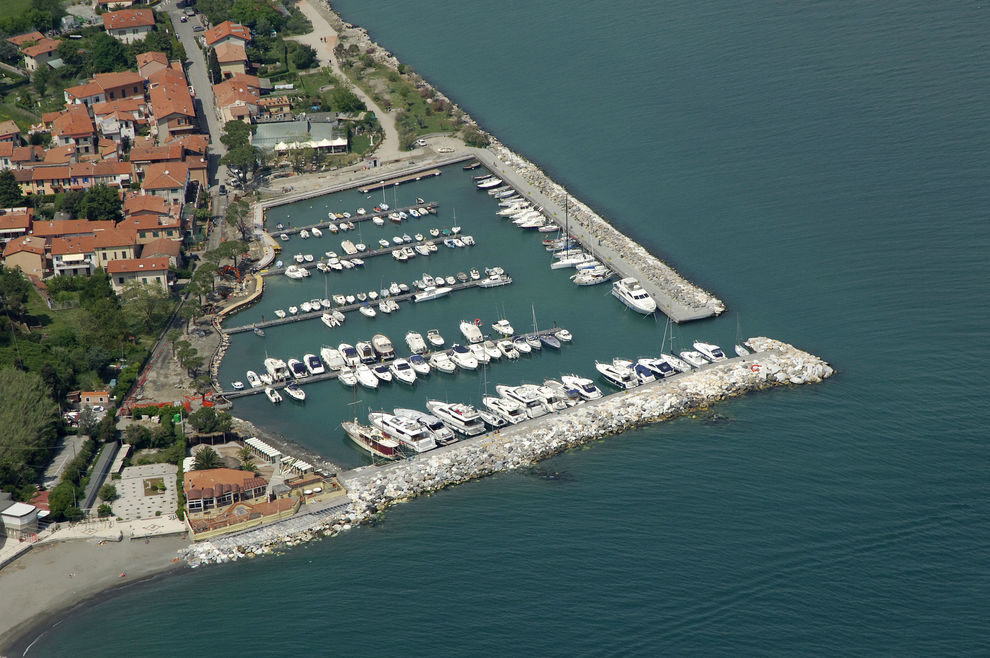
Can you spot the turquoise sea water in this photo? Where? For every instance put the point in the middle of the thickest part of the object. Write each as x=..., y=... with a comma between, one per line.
x=822, y=169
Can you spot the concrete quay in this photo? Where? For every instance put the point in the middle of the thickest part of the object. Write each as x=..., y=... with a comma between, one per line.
x=373, y=489
x=675, y=296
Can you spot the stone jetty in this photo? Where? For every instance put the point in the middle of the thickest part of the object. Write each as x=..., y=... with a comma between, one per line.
x=373, y=489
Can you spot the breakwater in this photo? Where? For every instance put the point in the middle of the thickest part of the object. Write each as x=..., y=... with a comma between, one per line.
x=373, y=489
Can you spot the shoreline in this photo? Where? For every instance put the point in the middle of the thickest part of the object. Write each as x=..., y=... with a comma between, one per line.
x=47, y=593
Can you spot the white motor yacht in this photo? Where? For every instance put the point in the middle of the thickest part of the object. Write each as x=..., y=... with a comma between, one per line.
x=507, y=349
x=563, y=335
x=382, y=372
x=660, y=367
x=527, y=396
x=366, y=352
x=491, y=349
x=332, y=358
x=365, y=376
x=442, y=362
x=463, y=357
x=677, y=364
x=405, y=430
x=382, y=346
x=629, y=292
x=347, y=377
x=436, y=340
x=295, y=392
x=403, y=371
x=694, y=358
x=471, y=331
x=741, y=350
x=372, y=440
x=349, y=354
x=367, y=310
x=419, y=364
x=618, y=376
x=313, y=364
x=273, y=395
x=462, y=418
x=711, y=352
x=479, y=353
x=440, y=432
x=298, y=368
x=521, y=345
x=317, y=233
x=279, y=313
x=277, y=369
x=253, y=380
x=509, y=410
x=415, y=342
x=584, y=386
x=644, y=373
x=237, y=386
x=503, y=327
x=431, y=292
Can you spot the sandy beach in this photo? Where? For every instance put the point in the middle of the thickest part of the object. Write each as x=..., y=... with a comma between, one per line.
x=56, y=577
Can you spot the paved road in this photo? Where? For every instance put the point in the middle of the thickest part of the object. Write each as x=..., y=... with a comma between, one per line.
x=198, y=75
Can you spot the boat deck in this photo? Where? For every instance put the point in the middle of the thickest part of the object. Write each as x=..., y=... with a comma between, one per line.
x=370, y=253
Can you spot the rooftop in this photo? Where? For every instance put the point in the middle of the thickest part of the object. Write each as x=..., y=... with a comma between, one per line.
x=165, y=176
x=131, y=265
x=227, y=29
x=127, y=18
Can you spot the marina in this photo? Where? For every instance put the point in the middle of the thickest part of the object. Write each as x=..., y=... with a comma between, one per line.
x=359, y=255
x=356, y=218
x=392, y=182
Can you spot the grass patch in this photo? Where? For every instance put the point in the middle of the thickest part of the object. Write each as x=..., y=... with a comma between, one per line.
x=15, y=7
x=154, y=486
x=49, y=320
x=20, y=116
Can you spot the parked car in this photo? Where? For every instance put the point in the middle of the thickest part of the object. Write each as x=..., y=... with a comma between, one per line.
x=223, y=189
x=198, y=28
x=183, y=19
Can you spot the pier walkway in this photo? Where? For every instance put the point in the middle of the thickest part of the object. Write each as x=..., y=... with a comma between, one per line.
x=615, y=260
x=431, y=206
x=362, y=255
x=347, y=308
x=330, y=374
x=430, y=173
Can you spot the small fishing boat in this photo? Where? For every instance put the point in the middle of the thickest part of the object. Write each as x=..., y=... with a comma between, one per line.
x=273, y=395
x=436, y=340
x=295, y=392
x=237, y=386
x=253, y=380
x=442, y=362
x=367, y=311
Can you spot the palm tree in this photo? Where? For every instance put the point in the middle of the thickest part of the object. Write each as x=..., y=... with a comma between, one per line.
x=207, y=458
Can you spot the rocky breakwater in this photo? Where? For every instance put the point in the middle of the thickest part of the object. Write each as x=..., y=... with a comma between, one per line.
x=651, y=269
x=372, y=490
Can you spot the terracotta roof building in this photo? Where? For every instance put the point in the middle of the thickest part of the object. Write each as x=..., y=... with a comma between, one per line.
x=73, y=256
x=227, y=32
x=39, y=54
x=28, y=37
x=152, y=227
x=163, y=248
x=74, y=126
x=141, y=270
x=26, y=252
x=118, y=243
x=56, y=228
x=15, y=222
x=167, y=180
x=232, y=57
x=171, y=104
x=151, y=62
x=129, y=24
x=216, y=488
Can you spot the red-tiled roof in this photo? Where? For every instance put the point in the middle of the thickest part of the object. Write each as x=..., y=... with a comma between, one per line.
x=24, y=243
x=115, y=237
x=78, y=244
x=119, y=79
x=19, y=219
x=141, y=154
x=152, y=56
x=170, y=94
x=21, y=39
x=40, y=48
x=229, y=92
x=8, y=128
x=246, y=80
x=60, y=154
x=6, y=149
x=128, y=265
x=161, y=248
x=54, y=228
x=227, y=29
x=126, y=18
x=128, y=105
x=225, y=479
x=231, y=52
x=150, y=222
x=145, y=203
x=74, y=121
x=165, y=176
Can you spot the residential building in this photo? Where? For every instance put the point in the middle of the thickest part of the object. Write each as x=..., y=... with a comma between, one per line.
x=6, y=151
x=171, y=104
x=227, y=32
x=10, y=133
x=236, y=101
x=73, y=256
x=275, y=104
x=26, y=38
x=104, y=87
x=68, y=228
x=216, y=488
x=150, y=228
x=129, y=25
x=142, y=270
x=167, y=180
x=94, y=398
x=119, y=243
x=232, y=58
x=151, y=62
x=120, y=119
x=163, y=248
x=26, y=252
x=15, y=222
x=74, y=126
x=40, y=53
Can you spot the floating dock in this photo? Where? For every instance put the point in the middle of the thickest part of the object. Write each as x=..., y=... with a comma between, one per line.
x=431, y=206
x=347, y=308
x=391, y=182
x=361, y=255
x=312, y=379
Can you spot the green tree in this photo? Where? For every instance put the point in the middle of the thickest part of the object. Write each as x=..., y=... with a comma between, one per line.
x=235, y=133
x=14, y=289
x=213, y=66
x=101, y=202
x=29, y=418
x=304, y=56
x=104, y=510
x=108, y=493
x=106, y=54
x=138, y=436
x=238, y=214
x=146, y=306
x=243, y=157
x=344, y=100
x=208, y=420
x=207, y=458
x=10, y=190
x=69, y=201
x=62, y=499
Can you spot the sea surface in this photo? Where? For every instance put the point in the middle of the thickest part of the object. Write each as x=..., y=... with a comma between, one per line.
x=822, y=168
